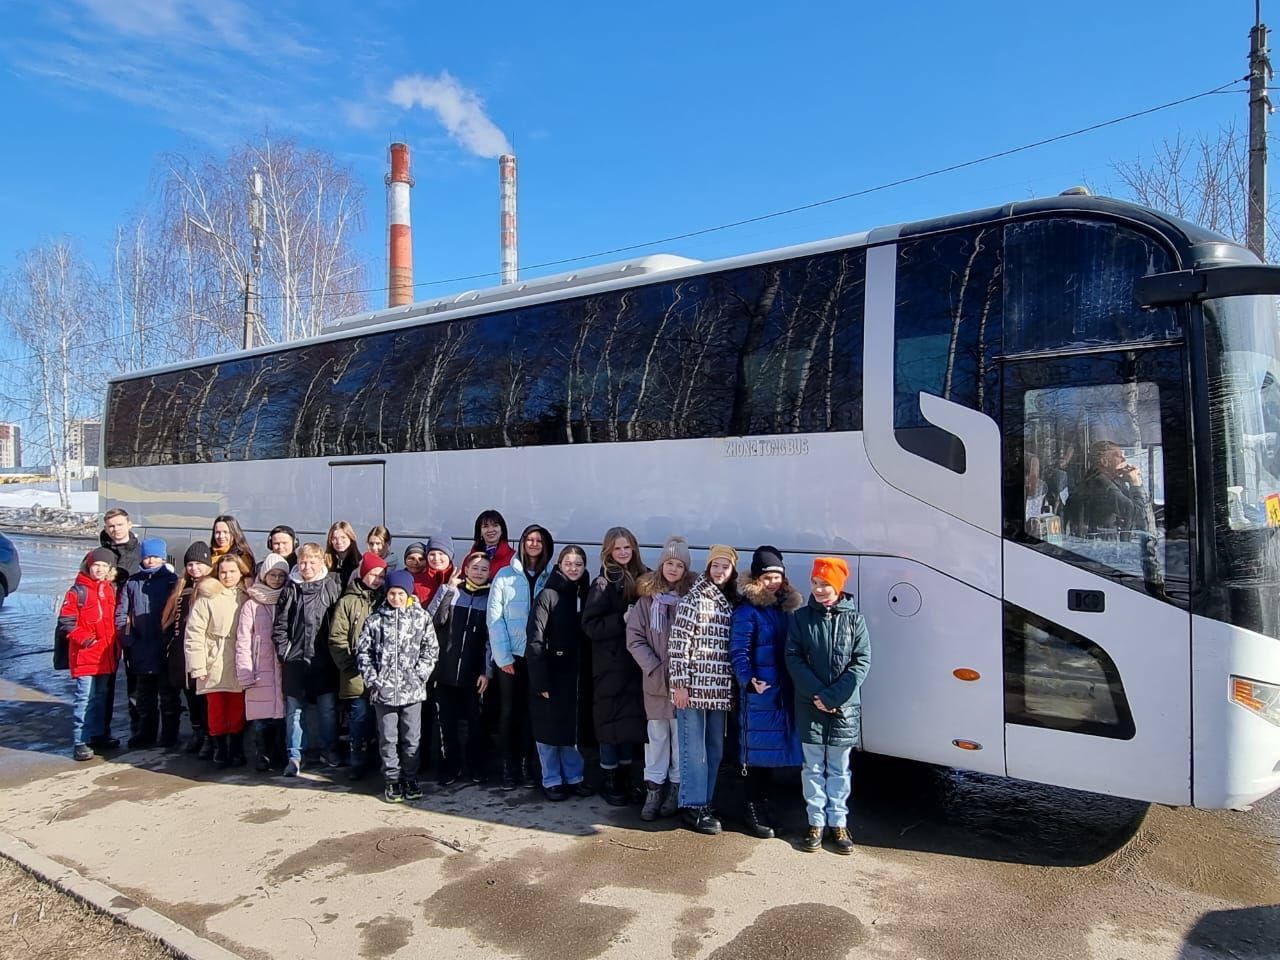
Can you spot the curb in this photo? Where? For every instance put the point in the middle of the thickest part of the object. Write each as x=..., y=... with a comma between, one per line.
x=177, y=938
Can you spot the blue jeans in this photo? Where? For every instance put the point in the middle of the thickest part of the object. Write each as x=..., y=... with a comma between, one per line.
x=701, y=747
x=560, y=765
x=326, y=710
x=827, y=782
x=89, y=710
x=360, y=727
x=613, y=754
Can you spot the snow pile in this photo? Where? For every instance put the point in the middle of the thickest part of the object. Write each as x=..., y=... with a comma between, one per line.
x=29, y=510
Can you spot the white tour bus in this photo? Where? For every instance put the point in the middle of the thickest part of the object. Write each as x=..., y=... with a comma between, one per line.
x=1046, y=436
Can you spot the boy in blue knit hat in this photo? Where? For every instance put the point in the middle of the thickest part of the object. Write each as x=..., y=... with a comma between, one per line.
x=138, y=610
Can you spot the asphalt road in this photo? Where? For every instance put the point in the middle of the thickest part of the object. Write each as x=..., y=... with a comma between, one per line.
x=949, y=864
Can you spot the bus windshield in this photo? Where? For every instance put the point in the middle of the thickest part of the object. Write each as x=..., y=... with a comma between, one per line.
x=1243, y=347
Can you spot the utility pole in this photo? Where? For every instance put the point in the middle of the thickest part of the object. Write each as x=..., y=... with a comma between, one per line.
x=258, y=226
x=1259, y=107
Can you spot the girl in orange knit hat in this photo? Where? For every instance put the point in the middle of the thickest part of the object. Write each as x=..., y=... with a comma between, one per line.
x=828, y=655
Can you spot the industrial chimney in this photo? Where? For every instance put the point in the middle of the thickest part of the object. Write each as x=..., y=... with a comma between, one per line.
x=507, y=219
x=399, y=235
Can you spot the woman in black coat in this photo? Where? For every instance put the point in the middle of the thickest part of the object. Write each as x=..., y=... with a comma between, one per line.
x=617, y=685
x=554, y=642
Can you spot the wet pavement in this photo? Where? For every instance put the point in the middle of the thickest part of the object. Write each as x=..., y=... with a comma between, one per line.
x=949, y=865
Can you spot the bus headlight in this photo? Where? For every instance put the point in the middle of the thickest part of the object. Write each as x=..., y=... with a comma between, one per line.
x=1257, y=697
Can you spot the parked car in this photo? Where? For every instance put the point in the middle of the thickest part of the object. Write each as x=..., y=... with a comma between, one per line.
x=10, y=569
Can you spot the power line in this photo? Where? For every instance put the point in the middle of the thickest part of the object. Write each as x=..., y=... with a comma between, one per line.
x=811, y=205
x=902, y=181
x=173, y=321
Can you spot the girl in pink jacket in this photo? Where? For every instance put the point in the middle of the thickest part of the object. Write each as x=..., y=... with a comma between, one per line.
x=257, y=667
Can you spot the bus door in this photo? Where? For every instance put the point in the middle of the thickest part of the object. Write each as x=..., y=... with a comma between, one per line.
x=1097, y=629
x=357, y=494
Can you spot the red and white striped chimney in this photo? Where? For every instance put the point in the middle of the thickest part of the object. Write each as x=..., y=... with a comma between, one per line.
x=399, y=234
x=507, y=219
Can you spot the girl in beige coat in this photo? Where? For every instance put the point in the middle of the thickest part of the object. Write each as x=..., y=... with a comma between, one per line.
x=211, y=655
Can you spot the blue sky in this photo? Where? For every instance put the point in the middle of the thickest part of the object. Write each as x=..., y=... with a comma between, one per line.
x=631, y=121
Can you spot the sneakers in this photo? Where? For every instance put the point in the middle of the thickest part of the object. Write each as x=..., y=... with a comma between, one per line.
x=141, y=742
x=811, y=842
x=82, y=751
x=581, y=789
x=556, y=793
x=391, y=793
x=332, y=758
x=447, y=780
x=841, y=842
x=701, y=820
x=652, y=801
x=104, y=743
x=758, y=821
x=292, y=768
x=263, y=763
x=411, y=790
x=670, y=800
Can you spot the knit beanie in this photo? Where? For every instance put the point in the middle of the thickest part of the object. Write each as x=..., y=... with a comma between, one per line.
x=443, y=544
x=154, y=547
x=719, y=551
x=676, y=548
x=270, y=562
x=416, y=547
x=100, y=555
x=371, y=561
x=401, y=579
x=767, y=559
x=831, y=569
x=198, y=552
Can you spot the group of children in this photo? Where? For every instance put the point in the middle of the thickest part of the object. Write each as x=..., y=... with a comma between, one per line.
x=632, y=656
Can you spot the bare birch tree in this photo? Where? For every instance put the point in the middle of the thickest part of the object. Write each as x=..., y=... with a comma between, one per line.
x=1204, y=179
x=49, y=308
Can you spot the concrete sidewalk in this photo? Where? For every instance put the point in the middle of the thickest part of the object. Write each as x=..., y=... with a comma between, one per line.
x=274, y=868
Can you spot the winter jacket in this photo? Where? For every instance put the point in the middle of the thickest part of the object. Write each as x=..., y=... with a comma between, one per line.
x=767, y=734
x=257, y=667
x=508, y=614
x=699, y=647
x=128, y=556
x=92, y=647
x=139, y=607
x=349, y=614
x=828, y=655
x=555, y=643
x=463, y=629
x=648, y=647
x=211, y=637
x=427, y=583
x=617, y=685
x=396, y=653
x=175, y=615
x=300, y=633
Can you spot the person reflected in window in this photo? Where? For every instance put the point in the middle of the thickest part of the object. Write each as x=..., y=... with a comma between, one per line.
x=1111, y=496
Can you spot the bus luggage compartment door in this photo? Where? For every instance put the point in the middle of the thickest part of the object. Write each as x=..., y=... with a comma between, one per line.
x=356, y=494
x=934, y=691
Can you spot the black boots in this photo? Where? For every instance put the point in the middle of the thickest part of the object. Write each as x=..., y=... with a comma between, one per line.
x=169, y=730
x=221, y=754
x=758, y=822
x=612, y=789
x=235, y=749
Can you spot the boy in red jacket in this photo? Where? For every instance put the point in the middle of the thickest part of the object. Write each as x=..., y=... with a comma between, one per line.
x=88, y=617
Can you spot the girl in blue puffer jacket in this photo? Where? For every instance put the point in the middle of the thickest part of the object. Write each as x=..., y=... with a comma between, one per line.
x=767, y=734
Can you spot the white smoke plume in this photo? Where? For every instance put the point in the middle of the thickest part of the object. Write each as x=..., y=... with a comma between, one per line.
x=459, y=109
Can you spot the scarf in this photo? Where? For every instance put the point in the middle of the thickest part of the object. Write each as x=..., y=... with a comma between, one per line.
x=660, y=612
x=263, y=594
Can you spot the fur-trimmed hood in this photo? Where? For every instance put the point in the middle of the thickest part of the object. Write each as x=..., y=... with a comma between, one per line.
x=210, y=587
x=788, y=597
x=652, y=583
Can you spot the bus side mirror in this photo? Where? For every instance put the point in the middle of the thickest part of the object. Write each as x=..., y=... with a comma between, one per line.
x=1208, y=283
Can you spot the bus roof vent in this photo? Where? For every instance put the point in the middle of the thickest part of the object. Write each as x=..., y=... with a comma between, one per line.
x=513, y=291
